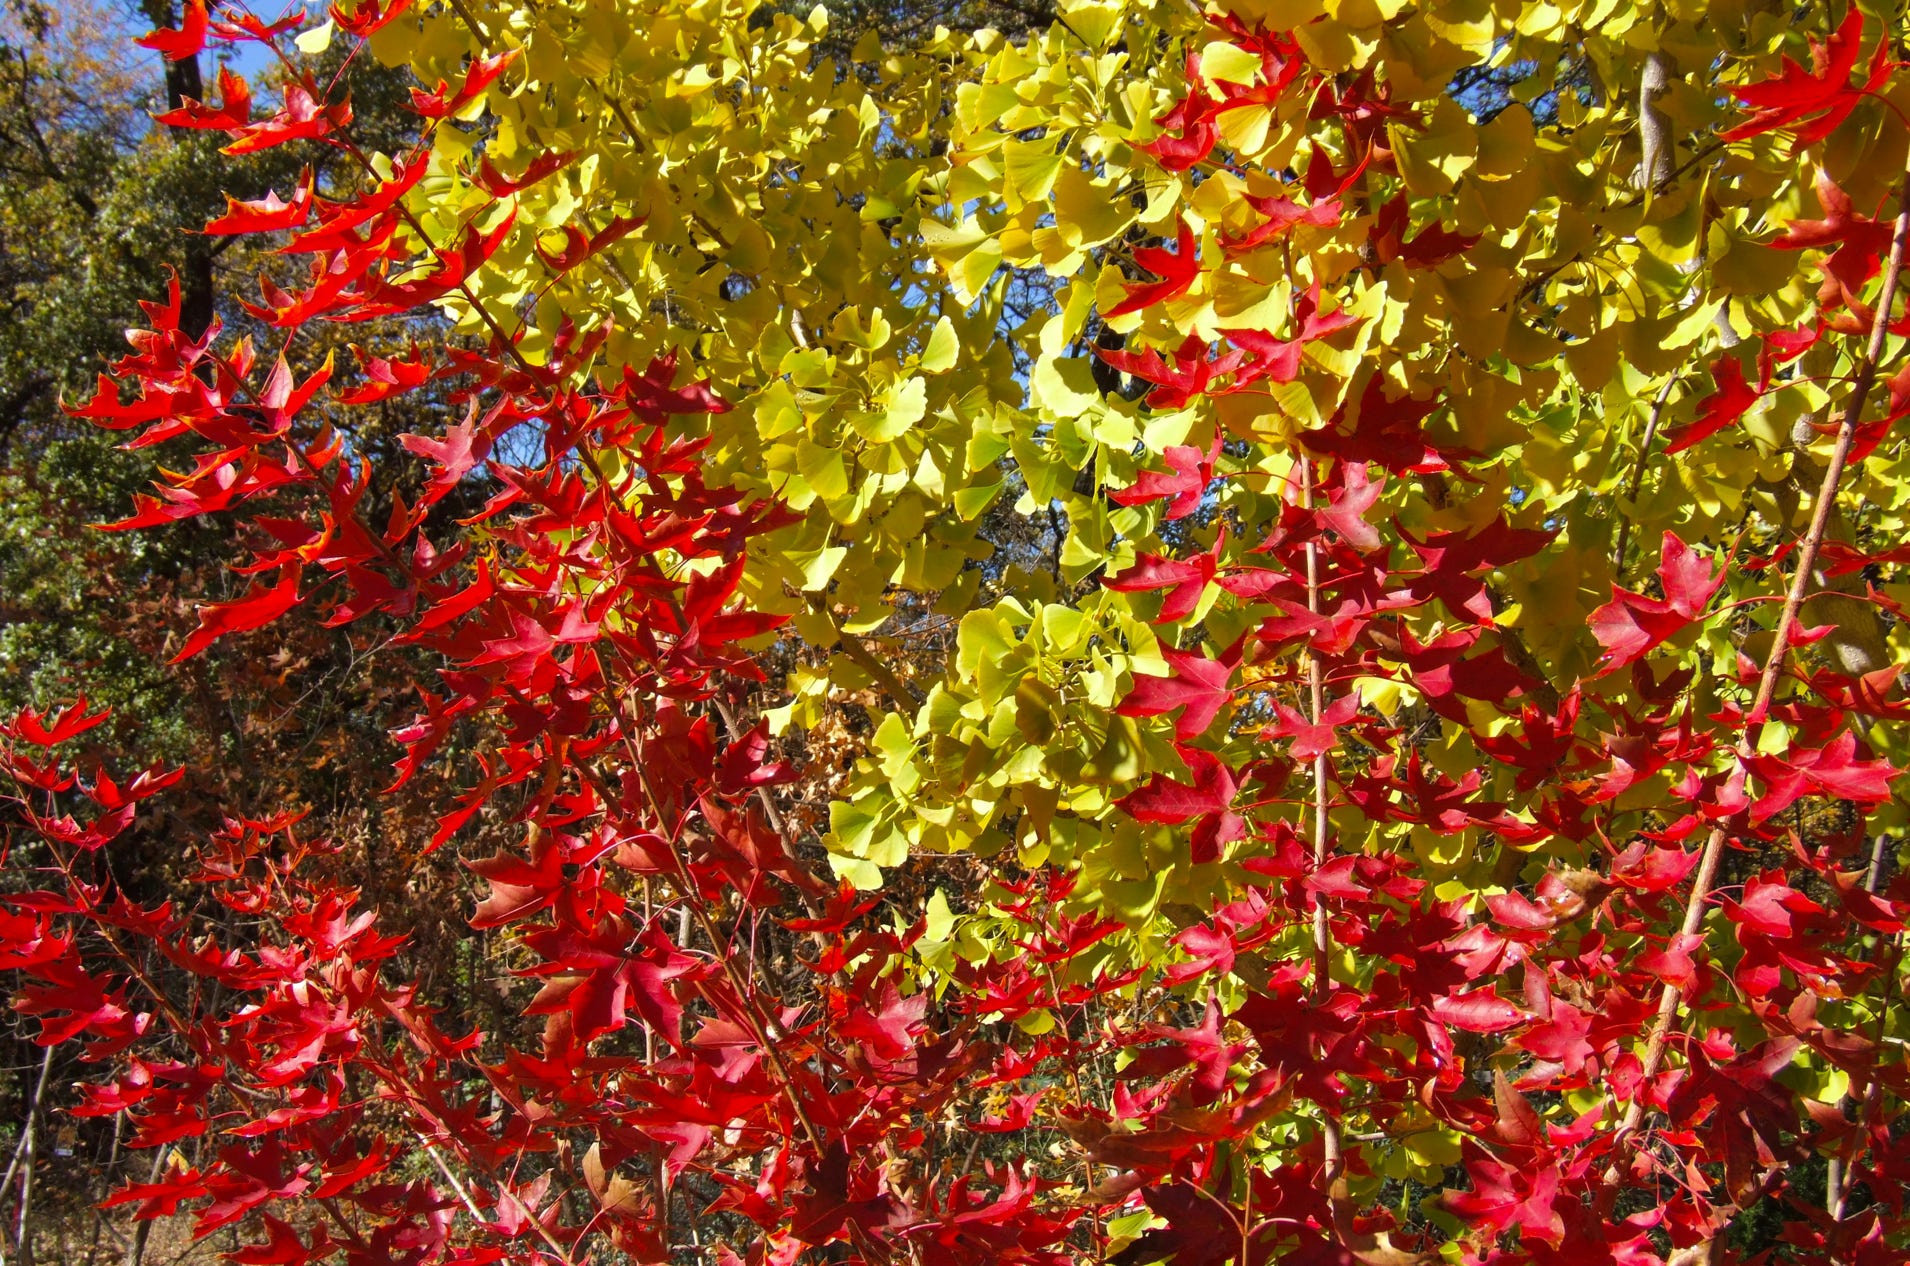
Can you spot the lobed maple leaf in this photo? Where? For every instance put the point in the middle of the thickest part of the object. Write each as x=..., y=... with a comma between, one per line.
x=387, y=377
x=1630, y=625
x=453, y=457
x=1810, y=104
x=540, y=167
x=1208, y=801
x=300, y=118
x=1724, y=407
x=1860, y=244
x=1279, y=215
x=265, y=215
x=55, y=725
x=1278, y=360
x=1193, y=118
x=1387, y=432
x=1190, y=373
x=1196, y=684
x=365, y=18
x=1184, y=579
x=479, y=75
x=1431, y=245
x=1310, y=739
x=1176, y=268
x=234, y=112
x=176, y=45
x=1190, y=471
x=260, y=605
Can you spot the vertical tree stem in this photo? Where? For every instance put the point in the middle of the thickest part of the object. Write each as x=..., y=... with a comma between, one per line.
x=1316, y=707
x=23, y=1158
x=1671, y=1000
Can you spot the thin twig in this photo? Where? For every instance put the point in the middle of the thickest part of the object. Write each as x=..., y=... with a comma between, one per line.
x=1322, y=928
x=23, y=1155
x=1637, y=480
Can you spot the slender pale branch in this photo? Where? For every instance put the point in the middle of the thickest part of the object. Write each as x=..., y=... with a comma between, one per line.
x=1322, y=845
x=1671, y=1000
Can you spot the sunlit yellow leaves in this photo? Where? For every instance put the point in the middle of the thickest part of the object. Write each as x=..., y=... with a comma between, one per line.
x=1432, y=160
x=896, y=268
x=1469, y=25
x=1740, y=266
x=1029, y=169
x=1334, y=47
x=1278, y=15
x=944, y=345
x=968, y=253
x=1505, y=144
x=1093, y=22
x=905, y=404
x=1224, y=62
x=1087, y=213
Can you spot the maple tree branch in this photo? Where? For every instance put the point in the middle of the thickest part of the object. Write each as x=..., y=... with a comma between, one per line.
x=774, y=816
x=1841, y=1172
x=1672, y=998
x=771, y=813
x=444, y=1169
x=543, y=1232
x=694, y=906
x=1322, y=927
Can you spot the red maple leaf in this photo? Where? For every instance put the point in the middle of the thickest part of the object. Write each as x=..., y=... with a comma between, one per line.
x=498, y=185
x=1810, y=104
x=1722, y=408
x=1311, y=739
x=1193, y=118
x=1433, y=244
x=367, y=17
x=1278, y=360
x=1281, y=214
x=1185, y=579
x=1208, y=800
x=1349, y=497
x=453, y=457
x=1194, y=682
x=1388, y=432
x=478, y=76
x=1176, y=268
x=186, y=41
x=260, y=606
x=267, y=214
x=1190, y=373
x=1631, y=624
x=1860, y=241
x=1191, y=470
x=235, y=107
x=55, y=725
x=385, y=378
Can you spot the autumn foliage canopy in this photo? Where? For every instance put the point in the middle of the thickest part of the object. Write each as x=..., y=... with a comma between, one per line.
x=1266, y=634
